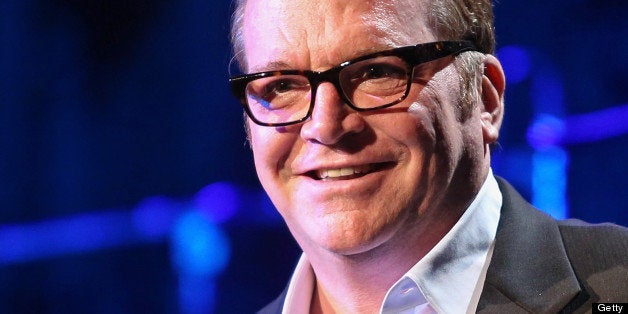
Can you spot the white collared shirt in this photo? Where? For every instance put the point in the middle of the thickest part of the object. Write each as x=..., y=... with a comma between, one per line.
x=448, y=279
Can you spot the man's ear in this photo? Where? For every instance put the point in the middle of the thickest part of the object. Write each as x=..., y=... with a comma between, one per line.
x=493, y=87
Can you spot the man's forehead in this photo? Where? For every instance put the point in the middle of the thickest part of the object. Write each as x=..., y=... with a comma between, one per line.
x=306, y=16
x=333, y=11
x=278, y=32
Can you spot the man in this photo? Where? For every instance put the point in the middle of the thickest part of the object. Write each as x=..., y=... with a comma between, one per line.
x=371, y=124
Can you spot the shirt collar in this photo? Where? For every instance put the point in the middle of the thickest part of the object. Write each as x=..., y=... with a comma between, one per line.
x=448, y=279
x=301, y=288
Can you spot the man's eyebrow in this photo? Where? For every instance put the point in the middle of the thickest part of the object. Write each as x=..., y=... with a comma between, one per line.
x=270, y=66
x=366, y=51
x=374, y=47
x=282, y=65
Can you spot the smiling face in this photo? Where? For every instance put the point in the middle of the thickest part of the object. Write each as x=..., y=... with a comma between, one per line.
x=349, y=182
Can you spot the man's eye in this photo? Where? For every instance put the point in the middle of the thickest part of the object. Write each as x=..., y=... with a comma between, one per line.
x=281, y=86
x=380, y=71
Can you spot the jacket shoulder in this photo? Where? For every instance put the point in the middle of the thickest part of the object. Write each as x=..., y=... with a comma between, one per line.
x=585, y=239
x=599, y=257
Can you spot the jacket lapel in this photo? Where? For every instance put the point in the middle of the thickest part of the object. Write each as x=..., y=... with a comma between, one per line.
x=529, y=270
x=275, y=307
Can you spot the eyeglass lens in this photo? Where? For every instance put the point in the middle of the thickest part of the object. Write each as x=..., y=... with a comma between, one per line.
x=365, y=84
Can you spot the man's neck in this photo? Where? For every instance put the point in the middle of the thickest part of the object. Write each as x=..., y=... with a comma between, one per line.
x=358, y=283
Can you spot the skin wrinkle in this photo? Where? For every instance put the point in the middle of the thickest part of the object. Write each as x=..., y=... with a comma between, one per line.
x=390, y=30
x=433, y=167
x=386, y=10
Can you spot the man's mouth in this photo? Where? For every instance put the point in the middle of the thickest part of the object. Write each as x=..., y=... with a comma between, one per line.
x=345, y=173
x=341, y=173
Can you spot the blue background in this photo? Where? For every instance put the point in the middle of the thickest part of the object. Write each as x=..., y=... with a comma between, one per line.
x=126, y=185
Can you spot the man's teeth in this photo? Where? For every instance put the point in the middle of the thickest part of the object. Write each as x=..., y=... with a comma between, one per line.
x=341, y=172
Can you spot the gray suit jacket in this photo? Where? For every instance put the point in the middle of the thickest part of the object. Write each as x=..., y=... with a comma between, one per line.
x=540, y=265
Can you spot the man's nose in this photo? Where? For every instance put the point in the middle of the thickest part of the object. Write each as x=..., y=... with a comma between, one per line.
x=331, y=119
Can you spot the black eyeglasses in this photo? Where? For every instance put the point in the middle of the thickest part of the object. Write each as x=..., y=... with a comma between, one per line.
x=370, y=82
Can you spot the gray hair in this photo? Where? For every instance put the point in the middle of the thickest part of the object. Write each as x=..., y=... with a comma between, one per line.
x=467, y=20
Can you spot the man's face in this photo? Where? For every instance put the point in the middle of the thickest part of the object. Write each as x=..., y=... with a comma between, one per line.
x=348, y=182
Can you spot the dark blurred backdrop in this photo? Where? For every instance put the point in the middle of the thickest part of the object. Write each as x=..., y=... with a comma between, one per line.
x=126, y=185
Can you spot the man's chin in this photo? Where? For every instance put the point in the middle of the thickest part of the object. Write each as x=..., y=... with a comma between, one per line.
x=352, y=246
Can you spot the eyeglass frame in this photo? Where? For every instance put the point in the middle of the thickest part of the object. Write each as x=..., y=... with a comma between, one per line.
x=413, y=55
